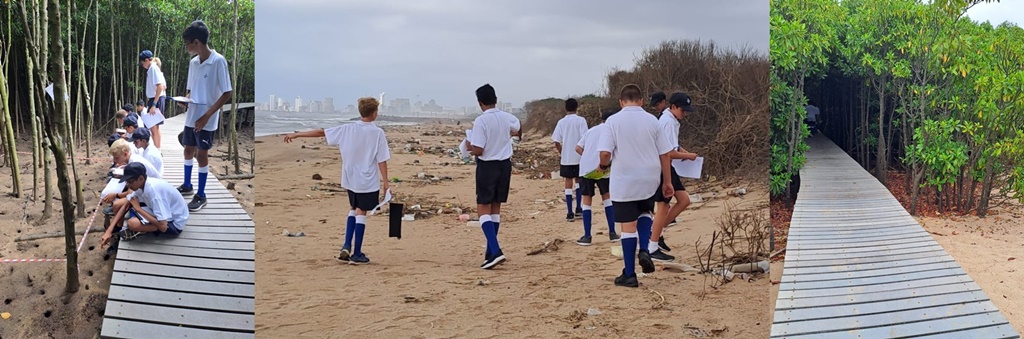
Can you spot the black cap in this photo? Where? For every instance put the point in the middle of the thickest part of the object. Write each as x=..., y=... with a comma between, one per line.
x=657, y=97
x=132, y=171
x=112, y=138
x=131, y=120
x=140, y=134
x=682, y=100
x=145, y=55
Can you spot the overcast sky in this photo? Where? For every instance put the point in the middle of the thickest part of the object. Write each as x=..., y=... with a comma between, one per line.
x=445, y=49
x=998, y=12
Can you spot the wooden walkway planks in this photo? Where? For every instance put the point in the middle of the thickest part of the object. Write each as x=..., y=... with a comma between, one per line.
x=859, y=266
x=200, y=284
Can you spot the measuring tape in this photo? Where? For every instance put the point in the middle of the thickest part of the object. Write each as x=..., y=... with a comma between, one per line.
x=87, y=228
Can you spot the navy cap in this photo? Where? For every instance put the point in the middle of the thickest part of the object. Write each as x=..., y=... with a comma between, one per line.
x=140, y=103
x=112, y=138
x=132, y=171
x=657, y=97
x=681, y=100
x=140, y=134
x=128, y=108
x=145, y=55
x=131, y=120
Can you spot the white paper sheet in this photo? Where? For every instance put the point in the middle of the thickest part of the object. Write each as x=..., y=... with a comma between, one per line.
x=688, y=168
x=387, y=199
x=184, y=100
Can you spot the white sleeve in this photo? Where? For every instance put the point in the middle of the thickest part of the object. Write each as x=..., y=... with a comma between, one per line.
x=334, y=135
x=663, y=145
x=478, y=138
x=606, y=140
x=191, y=77
x=223, y=77
x=556, y=136
x=583, y=139
x=159, y=75
x=514, y=122
x=383, y=152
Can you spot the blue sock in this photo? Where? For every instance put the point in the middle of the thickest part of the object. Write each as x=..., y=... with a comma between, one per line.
x=587, y=215
x=188, y=173
x=629, y=253
x=359, y=238
x=610, y=213
x=643, y=228
x=491, y=235
x=350, y=227
x=568, y=200
x=203, y=172
x=579, y=201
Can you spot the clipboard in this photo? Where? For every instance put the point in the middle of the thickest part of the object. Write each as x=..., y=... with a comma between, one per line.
x=688, y=168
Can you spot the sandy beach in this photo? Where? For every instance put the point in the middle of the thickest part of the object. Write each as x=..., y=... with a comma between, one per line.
x=428, y=284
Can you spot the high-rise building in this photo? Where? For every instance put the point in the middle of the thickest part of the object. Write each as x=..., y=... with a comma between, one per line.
x=280, y=104
x=271, y=105
x=298, y=103
x=329, y=105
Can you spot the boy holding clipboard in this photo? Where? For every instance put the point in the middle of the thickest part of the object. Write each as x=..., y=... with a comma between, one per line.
x=679, y=104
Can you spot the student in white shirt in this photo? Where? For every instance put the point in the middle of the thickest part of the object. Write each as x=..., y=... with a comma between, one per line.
x=156, y=87
x=635, y=141
x=141, y=139
x=209, y=87
x=490, y=142
x=365, y=154
x=679, y=104
x=567, y=134
x=812, y=116
x=589, y=161
x=123, y=156
x=155, y=206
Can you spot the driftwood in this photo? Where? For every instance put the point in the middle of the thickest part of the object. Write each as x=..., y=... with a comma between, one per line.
x=549, y=246
x=53, y=235
x=237, y=176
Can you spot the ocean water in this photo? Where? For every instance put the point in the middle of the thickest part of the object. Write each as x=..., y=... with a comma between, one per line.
x=277, y=122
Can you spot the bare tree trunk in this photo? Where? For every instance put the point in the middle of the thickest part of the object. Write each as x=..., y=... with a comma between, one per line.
x=234, y=98
x=882, y=163
x=60, y=121
x=113, y=63
x=986, y=189
x=6, y=124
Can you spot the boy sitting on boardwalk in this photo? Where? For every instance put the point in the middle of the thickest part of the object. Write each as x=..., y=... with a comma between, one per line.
x=365, y=154
x=490, y=142
x=165, y=211
x=640, y=150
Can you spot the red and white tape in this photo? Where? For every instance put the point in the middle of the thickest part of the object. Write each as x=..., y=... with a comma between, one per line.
x=31, y=260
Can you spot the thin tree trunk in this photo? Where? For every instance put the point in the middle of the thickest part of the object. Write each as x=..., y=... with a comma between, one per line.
x=882, y=162
x=234, y=97
x=7, y=129
x=61, y=122
x=986, y=189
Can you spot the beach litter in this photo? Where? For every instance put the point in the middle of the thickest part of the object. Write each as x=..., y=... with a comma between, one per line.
x=593, y=311
x=289, y=234
x=546, y=247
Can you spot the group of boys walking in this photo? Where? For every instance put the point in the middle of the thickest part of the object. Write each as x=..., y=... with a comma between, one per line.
x=627, y=157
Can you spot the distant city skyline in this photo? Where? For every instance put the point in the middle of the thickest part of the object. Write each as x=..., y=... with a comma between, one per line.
x=390, y=106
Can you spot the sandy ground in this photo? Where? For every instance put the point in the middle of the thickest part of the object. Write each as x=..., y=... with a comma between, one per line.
x=429, y=284
x=220, y=165
x=33, y=293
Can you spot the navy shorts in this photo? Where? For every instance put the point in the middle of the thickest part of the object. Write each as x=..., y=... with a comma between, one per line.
x=202, y=140
x=569, y=171
x=493, y=179
x=171, y=230
x=630, y=211
x=159, y=104
x=587, y=186
x=677, y=185
x=364, y=201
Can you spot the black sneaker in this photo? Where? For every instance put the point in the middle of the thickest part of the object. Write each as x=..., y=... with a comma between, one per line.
x=184, y=189
x=109, y=210
x=661, y=256
x=579, y=212
x=493, y=261
x=613, y=237
x=345, y=254
x=584, y=241
x=627, y=280
x=646, y=264
x=662, y=245
x=127, y=234
x=197, y=203
x=570, y=217
x=358, y=259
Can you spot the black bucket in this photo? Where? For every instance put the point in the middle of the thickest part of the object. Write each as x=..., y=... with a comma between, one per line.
x=395, y=220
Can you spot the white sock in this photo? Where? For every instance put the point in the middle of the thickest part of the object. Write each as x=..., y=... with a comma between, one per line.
x=606, y=203
x=361, y=219
x=188, y=162
x=568, y=191
x=496, y=218
x=585, y=207
x=652, y=246
x=352, y=213
x=204, y=169
x=485, y=218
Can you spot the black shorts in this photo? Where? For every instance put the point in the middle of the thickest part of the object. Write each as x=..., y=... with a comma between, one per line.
x=363, y=201
x=492, y=181
x=569, y=171
x=630, y=211
x=587, y=186
x=677, y=185
x=202, y=140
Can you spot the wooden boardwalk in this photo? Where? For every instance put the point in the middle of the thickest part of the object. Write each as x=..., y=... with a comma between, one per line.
x=197, y=285
x=859, y=266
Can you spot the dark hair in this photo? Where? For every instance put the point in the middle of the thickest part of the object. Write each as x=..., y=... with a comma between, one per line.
x=810, y=102
x=608, y=114
x=571, y=105
x=485, y=95
x=196, y=31
x=630, y=93
x=128, y=107
x=140, y=103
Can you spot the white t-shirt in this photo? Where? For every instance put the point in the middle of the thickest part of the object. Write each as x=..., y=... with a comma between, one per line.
x=670, y=129
x=164, y=202
x=153, y=155
x=207, y=81
x=151, y=171
x=636, y=142
x=591, y=157
x=492, y=131
x=363, y=146
x=568, y=132
x=812, y=113
x=153, y=77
